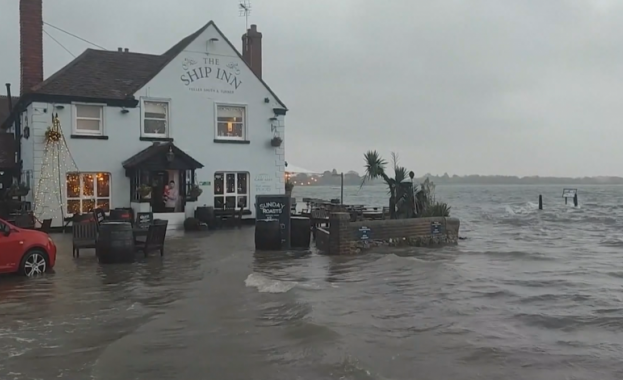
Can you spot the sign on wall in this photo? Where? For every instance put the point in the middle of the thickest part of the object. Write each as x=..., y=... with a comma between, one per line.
x=435, y=228
x=263, y=183
x=210, y=74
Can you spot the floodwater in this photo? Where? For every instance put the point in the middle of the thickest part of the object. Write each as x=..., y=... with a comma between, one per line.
x=528, y=295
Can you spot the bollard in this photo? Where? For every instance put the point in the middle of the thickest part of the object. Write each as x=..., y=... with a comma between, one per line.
x=575, y=200
x=540, y=202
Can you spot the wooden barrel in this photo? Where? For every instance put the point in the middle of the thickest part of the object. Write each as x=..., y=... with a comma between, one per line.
x=205, y=215
x=300, y=232
x=115, y=243
x=267, y=235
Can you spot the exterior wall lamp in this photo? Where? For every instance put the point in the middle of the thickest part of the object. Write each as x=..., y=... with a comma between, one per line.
x=170, y=155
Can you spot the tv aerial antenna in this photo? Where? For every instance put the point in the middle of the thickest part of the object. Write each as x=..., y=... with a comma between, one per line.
x=245, y=10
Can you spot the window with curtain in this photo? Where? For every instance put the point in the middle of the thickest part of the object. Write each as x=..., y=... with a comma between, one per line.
x=231, y=122
x=155, y=118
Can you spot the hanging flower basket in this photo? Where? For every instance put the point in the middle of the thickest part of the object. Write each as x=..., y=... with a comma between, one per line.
x=52, y=135
x=20, y=190
x=276, y=141
x=194, y=193
x=145, y=192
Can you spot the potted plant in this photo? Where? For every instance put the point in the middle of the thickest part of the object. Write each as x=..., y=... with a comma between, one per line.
x=289, y=187
x=195, y=192
x=144, y=191
x=276, y=141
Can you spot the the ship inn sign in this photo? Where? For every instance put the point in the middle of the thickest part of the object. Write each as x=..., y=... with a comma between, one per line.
x=201, y=73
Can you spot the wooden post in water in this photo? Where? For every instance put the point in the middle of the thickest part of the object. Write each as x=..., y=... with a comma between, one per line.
x=575, y=200
x=540, y=202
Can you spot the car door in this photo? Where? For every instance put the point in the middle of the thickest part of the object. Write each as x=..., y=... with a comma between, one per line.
x=11, y=248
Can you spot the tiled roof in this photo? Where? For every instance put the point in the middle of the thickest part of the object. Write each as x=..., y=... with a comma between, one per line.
x=161, y=149
x=103, y=75
x=4, y=107
x=116, y=75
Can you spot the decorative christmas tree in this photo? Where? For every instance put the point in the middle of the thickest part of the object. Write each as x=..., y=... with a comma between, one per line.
x=57, y=162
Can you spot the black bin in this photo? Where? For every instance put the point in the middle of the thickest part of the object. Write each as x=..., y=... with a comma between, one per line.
x=300, y=232
x=115, y=243
x=267, y=235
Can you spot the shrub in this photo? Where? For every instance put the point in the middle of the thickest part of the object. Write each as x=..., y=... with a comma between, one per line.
x=436, y=209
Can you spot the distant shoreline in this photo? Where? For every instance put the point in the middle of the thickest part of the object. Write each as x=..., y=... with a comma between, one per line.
x=352, y=179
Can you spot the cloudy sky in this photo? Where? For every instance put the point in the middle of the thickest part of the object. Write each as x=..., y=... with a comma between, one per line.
x=523, y=87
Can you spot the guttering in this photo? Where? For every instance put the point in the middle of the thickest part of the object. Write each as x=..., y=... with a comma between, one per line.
x=18, y=131
x=27, y=99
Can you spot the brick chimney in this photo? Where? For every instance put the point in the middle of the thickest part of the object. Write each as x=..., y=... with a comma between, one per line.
x=252, y=50
x=31, y=44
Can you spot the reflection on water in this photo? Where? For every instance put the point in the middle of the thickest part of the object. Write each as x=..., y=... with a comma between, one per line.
x=529, y=295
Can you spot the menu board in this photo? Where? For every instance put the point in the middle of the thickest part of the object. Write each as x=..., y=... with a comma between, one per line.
x=275, y=207
x=144, y=219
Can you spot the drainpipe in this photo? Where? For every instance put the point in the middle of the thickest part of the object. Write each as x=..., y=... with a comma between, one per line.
x=18, y=132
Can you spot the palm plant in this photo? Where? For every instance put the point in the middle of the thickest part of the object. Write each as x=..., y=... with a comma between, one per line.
x=375, y=168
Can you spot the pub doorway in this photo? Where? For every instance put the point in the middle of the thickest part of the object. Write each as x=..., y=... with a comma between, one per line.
x=159, y=181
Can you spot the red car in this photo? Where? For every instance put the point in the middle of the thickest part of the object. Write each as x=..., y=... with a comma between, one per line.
x=28, y=252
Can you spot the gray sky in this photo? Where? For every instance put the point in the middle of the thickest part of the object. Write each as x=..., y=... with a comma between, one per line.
x=518, y=87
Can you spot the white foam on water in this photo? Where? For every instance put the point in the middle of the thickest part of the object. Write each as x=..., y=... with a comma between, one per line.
x=266, y=285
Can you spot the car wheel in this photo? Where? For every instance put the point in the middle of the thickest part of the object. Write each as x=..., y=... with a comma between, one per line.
x=34, y=263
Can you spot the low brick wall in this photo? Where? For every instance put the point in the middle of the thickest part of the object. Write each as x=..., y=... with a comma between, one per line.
x=345, y=237
x=322, y=239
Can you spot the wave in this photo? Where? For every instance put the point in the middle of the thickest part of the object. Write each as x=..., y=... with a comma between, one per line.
x=267, y=285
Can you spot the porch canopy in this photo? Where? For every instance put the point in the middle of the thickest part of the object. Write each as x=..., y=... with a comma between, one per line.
x=163, y=156
x=149, y=171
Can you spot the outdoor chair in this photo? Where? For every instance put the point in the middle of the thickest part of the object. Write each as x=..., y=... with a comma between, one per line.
x=45, y=225
x=155, y=238
x=84, y=236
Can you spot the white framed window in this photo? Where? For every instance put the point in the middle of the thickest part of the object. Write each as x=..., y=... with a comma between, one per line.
x=87, y=191
x=89, y=119
x=231, y=122
x=231, y=190
x=155, y=118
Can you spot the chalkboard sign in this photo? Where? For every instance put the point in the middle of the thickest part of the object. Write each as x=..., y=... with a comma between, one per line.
x=275, y=207
x=144, y=219
x=435, y=228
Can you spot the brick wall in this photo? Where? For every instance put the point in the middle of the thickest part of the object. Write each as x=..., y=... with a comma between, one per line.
x=322, y=239
x=344, y=234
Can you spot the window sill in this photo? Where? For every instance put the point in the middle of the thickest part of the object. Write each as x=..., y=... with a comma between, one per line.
x=165, y=139
x=218, y=141
x=89, y=137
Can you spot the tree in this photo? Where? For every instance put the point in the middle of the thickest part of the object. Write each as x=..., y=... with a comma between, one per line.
x=375, y=168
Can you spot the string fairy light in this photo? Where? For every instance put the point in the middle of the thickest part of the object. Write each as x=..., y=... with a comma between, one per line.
x=57, y=164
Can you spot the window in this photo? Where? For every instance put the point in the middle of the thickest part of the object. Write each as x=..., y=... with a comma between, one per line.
x=155, y=118
x=87, y=191
x=89, y=119
x=230, y=122
x=231, y=190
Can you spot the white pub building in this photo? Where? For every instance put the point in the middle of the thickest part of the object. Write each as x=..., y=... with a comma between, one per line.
x=198, y=116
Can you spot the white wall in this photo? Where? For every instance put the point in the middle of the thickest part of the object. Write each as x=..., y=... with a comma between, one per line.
x=192, y=126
